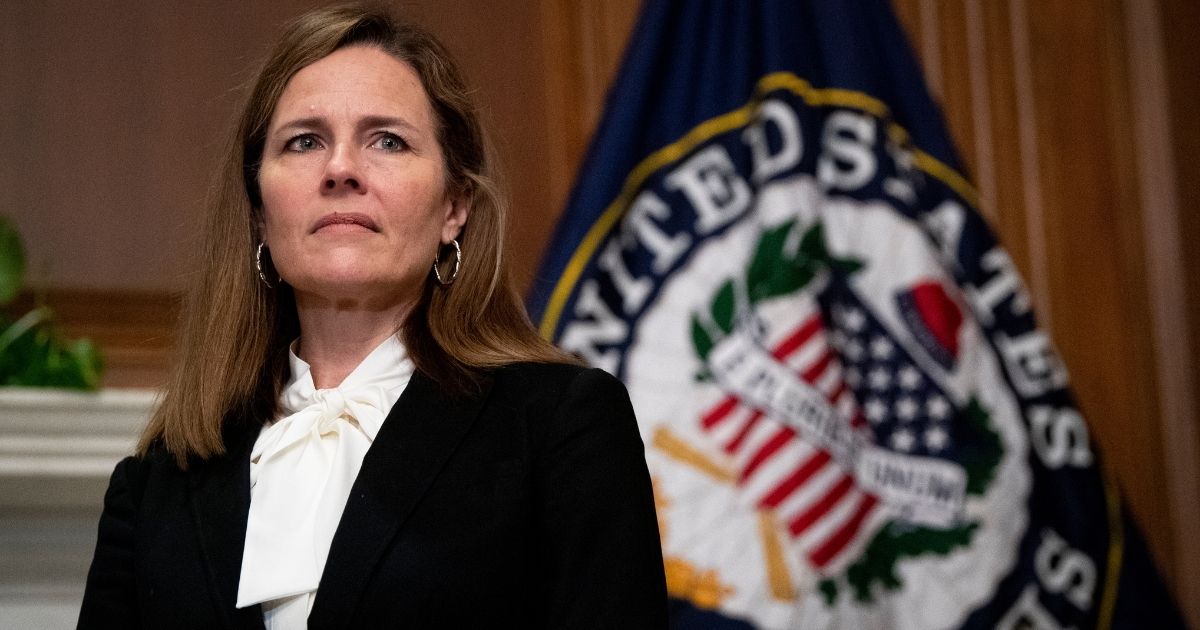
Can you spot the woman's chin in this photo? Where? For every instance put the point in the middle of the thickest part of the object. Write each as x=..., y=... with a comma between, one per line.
x=357, y=289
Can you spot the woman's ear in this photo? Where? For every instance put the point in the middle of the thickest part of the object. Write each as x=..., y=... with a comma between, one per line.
x=457, y=210
x=260, y=230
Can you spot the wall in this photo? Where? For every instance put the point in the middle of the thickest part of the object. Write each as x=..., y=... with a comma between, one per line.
x=1071, y=119
x=1074, y=119
x=116, y=112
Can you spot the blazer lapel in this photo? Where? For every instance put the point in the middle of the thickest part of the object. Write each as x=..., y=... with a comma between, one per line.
x=220, y=494
x=421, y=432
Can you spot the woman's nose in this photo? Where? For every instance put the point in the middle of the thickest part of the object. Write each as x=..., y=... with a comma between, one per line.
x=351, y=183
x=342, y=172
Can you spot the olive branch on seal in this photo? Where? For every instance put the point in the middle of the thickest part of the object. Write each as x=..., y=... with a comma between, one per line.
x=784, y=262
x=782, y=265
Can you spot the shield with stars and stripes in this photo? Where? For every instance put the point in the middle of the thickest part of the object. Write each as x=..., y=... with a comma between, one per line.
x=822, y=404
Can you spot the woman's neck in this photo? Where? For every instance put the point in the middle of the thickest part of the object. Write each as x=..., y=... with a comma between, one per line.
x=336, y=336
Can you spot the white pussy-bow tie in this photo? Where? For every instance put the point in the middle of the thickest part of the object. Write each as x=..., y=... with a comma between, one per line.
x=303, y=467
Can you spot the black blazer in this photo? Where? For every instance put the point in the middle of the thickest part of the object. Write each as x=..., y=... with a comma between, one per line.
x=525, y=505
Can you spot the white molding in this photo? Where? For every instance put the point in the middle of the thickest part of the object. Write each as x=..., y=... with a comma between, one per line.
x=64, y=434
x=57, y=449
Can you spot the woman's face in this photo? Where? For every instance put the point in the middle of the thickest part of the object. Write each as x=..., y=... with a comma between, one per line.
x=352, y=178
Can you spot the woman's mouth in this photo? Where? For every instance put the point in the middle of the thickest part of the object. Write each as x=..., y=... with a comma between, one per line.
x=342, y=221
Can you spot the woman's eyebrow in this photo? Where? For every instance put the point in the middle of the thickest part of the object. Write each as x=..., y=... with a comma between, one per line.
x=314, y=122
x=386, y=121
x=319, y=122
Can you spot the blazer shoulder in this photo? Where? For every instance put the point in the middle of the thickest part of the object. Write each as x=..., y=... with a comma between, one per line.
x=554, y=371
x=563, y=400
x=132, y=475
x=138, y=467
x=546, y=384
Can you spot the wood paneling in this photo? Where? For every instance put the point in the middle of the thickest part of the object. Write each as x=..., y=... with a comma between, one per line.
x=1181, y=22
x=1040, y=99
x=1174, y=339
x=584, y=43
x=1006, y=158
x=1063, y=154
x=1093, y=240
x=134, y=329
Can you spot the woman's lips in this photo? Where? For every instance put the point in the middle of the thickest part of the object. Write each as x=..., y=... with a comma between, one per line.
x=342, y=220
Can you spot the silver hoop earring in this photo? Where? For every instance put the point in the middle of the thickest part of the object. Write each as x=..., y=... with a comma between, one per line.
x=258, y=265
x=457, y=263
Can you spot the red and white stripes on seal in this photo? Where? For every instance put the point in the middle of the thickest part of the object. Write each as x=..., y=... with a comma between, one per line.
x=819, y=504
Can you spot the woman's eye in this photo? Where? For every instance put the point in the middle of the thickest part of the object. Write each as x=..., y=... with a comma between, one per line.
x=391, y=142
x=302, y=143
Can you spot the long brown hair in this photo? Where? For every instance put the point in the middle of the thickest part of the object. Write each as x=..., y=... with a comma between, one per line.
x=232, y=357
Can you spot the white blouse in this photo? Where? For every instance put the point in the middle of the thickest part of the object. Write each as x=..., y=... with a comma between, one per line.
x=301, y=471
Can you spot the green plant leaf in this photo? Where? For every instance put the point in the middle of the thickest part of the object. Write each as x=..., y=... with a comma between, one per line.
x=34, y=354
x=87, y=362
x=981, y=448
x=22, y=358
x=829, y=591
x=982, y=453
x=845, y=267
x=878, y=562
x=12, y=261
x=813, y=243
x=701, y=339
x=813, y=246
x=773, y=271
x=723, y=306
x=768, y=258
x=27, y=324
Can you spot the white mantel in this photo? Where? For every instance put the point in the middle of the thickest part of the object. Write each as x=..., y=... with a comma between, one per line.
x=57, y=450
x=58, y=433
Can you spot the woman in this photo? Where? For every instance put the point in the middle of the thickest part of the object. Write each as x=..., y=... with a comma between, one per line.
x=352, y=437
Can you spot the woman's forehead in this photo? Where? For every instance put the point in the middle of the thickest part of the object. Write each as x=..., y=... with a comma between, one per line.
x=355, y=82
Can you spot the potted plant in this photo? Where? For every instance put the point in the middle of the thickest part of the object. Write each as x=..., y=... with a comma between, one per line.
x=32, y=352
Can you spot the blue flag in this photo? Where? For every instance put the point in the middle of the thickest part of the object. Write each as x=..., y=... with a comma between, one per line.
x=851, y=417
